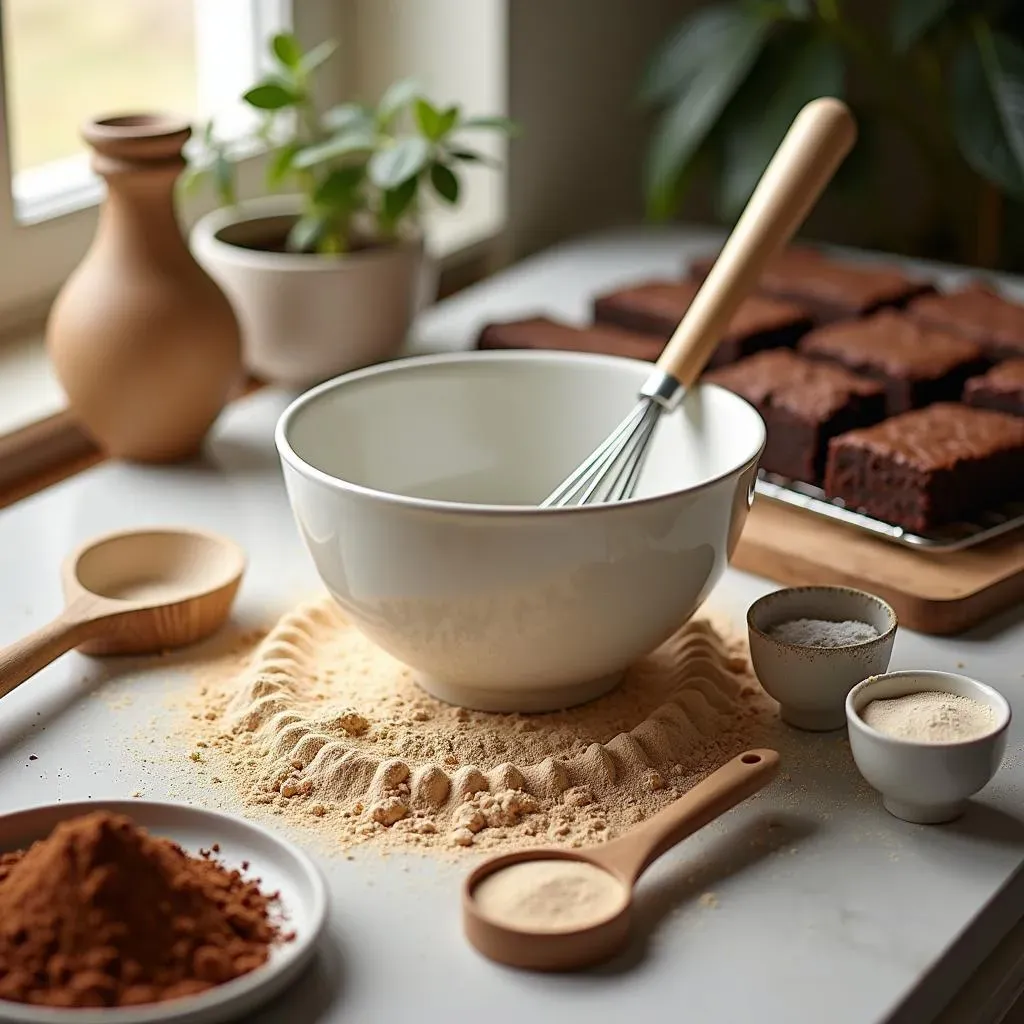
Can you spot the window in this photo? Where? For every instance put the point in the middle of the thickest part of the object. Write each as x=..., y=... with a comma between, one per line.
x=63, y=61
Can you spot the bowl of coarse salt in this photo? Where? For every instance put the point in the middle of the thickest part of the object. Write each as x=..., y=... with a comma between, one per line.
x=810, y=645
x=927, y=741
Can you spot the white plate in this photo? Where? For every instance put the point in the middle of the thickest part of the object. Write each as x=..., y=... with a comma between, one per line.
x=279, y=864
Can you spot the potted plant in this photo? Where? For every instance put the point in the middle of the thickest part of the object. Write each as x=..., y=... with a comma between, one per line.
x=324, y=277
x=948, y=75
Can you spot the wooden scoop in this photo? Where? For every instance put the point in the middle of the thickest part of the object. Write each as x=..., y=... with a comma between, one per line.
x=625, y=859
x=134, y=592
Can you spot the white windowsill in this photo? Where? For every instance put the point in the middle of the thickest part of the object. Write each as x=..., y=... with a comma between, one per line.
x=29, y=391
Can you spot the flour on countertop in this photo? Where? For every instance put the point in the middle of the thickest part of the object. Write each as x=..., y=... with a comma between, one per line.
x=931, y=717
x=823, y=632
x=319, y=725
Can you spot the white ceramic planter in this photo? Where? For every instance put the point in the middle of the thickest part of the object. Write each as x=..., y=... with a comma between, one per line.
x=305, y=317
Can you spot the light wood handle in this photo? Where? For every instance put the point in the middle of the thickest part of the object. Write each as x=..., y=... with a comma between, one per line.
x=814, y=147
x=737, y=779
x=24, y=658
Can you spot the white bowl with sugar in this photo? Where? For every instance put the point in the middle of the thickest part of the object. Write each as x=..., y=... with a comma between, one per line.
x=927, y=740
x=810, y=645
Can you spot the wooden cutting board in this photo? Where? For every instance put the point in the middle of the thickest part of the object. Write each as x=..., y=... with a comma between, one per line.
x=939, y=594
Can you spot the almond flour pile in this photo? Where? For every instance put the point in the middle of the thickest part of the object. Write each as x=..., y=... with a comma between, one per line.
x=319, y=725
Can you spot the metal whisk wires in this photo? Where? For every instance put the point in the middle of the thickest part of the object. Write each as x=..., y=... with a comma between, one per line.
x=611, y=473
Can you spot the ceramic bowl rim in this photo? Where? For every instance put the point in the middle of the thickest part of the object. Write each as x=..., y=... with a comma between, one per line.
x=289, y=456
x=859, y=645
x=897, y=743
x=205, y=235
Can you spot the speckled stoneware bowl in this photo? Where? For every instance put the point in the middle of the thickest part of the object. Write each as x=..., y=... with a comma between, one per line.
x=811, y=683
x=925, y=783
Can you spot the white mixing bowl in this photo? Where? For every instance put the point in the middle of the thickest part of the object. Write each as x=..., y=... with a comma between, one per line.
x=415, y=485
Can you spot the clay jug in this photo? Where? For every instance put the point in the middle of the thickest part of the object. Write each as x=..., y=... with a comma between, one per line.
x=144, y=343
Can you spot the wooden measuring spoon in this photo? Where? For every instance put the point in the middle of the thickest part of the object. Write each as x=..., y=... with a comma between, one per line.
x=624, y=859
x=134, y=592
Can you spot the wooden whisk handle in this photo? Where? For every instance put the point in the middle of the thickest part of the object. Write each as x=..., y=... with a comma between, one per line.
x=814, y=147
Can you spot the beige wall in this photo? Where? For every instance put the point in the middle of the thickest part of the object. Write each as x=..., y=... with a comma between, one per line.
x=573, y=70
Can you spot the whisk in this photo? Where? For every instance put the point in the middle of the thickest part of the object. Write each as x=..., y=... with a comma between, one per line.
x=819, y=138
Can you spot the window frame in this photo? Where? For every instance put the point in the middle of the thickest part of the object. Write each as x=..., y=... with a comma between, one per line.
x=50, y=233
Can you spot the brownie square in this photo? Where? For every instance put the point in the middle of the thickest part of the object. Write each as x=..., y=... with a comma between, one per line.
x=929, y=467
x=917, y=363
x=993, y=321
x=1002, y=388
x=833, y=290
x=803, y=403
x=543, y=333
x=789, y=259
x=656, y=308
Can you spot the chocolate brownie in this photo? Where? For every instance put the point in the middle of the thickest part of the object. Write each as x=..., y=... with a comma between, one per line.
x=1002, y=388
x=977, y=312
x=918, y=364
x=657, y=307
x=832, y=290
x=929, y=467
x=803, y=403
x=789, y=259
x=543, y=333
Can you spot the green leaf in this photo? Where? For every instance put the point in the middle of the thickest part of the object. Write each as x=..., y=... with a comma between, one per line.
x=912, y=20
x=698, y=105
x=471, y=156
x=501, y=124
x=433, y=123
x=699, y=42
x=397, y=97
x=285, y=47
x=224, y=179
x=754, y=126
x=280, y=163
x=398, y=163
x=346, y=144
x=397, y=200
x=445, y=183
x=306, y=232
x=340, y=187
x=988, y=107
x=347, y=116
x=270, y=96
x=428, y=118
x=312, y=60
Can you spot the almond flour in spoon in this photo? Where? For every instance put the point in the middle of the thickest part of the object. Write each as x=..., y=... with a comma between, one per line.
x=549, y=895
x=323, y=728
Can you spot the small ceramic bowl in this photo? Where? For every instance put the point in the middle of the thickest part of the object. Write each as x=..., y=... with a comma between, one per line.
x=811, y=683
x=925, y=783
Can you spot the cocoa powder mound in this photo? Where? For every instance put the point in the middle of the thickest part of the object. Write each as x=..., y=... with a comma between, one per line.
x=101, y=913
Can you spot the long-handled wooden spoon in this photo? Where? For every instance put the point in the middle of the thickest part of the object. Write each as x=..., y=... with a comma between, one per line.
x=553, y=945
x=134, y=592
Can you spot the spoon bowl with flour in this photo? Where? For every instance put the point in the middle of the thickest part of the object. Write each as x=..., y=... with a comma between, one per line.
x=560, y=910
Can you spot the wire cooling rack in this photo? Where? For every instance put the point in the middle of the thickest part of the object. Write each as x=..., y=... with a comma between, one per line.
x=954, y=537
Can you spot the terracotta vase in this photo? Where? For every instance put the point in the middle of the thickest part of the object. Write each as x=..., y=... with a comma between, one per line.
x=146, y=346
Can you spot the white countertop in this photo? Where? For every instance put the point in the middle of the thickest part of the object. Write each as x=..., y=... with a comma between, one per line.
x=827, y=908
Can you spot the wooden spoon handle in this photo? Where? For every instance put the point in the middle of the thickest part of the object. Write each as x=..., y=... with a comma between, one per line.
x=630, y=855
x=24, y=658
x=814, y=147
